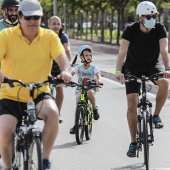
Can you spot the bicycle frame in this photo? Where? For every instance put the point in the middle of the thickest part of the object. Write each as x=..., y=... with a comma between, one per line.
x=85, y=105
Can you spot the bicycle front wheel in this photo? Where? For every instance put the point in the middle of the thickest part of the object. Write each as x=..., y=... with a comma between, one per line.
x=35, y=158
x=79, y=125
x=145, y=140
x=18, y=154
x=88, y=124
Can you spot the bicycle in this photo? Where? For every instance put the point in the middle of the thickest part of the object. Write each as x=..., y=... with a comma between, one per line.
x=144, y=135
x=84, y=112
x=27, y=153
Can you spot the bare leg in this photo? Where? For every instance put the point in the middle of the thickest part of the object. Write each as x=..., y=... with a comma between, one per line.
x=59, y=97
x=162, y=95
x=132, y=100
x=7, y=130
x=91, y=97
x=49, y=113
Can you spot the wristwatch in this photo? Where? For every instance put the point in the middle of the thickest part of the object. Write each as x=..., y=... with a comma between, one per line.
x=167, y=68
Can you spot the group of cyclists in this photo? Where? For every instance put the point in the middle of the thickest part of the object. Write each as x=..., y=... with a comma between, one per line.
x=31, y=53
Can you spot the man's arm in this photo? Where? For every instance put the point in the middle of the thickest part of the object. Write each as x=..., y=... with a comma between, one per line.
x=122, y=53
x=67, y=50
x=164, y=51
x=120, y=59
x=165, y=56
x=65, y=67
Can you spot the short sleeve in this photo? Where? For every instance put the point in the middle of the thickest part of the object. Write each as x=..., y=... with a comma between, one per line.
x=3, y=43
x=96, y=70
x=75, y=69
x=161, y=31
x=64, y=38
x=56, y=47
x=127, y=34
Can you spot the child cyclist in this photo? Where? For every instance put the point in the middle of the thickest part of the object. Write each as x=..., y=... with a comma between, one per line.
x=87, y=71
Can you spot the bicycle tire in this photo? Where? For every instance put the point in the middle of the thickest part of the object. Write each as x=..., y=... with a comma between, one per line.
x=145, y=140
x=139, y=136
x=35, y=156
x=88, y=124
x=18, y=156
x=79, y=125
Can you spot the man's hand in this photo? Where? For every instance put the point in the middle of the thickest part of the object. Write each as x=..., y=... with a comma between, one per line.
x=166, y=74
x=66, y=76
x=120, y=77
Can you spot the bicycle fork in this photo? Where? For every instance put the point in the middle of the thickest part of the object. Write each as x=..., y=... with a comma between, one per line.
x=148, y=115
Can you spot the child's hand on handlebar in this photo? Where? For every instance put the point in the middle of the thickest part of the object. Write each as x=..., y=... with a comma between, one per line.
x=98, y=82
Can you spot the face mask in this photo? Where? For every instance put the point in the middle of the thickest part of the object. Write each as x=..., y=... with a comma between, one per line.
x=150, y=23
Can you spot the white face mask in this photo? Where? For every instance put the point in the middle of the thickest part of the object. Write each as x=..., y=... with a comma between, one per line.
x=150, y=23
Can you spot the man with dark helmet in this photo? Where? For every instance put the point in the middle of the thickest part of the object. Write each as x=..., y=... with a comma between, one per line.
x=9, y=12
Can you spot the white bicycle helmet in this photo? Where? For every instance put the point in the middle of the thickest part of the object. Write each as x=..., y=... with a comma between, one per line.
x=83, y=47
x=146, y=8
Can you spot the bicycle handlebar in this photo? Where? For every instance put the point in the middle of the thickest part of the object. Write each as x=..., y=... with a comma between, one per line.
x=90, y=83
x=29, y=86
x=130, y=78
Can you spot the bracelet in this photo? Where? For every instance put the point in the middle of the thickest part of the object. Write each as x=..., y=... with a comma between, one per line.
x=118, y=72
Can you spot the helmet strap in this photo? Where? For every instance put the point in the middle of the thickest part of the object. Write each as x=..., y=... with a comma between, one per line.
x=8, y=20
x=11, y=23
x=85, y=62
x=147, y=30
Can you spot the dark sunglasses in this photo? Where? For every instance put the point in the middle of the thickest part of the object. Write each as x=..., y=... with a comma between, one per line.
x=148, y=17
x=35, y=17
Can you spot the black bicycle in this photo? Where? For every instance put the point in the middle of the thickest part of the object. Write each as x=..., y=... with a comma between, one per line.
x=27, y=153
x=84, y=112
x=144, y=134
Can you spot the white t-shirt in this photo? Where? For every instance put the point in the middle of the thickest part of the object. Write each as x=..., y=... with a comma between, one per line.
x=83, y=73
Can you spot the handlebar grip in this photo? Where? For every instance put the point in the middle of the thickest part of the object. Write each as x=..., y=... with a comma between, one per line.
x=54, y=80
x=6, y=80
x=9, y=81
x=101, y=84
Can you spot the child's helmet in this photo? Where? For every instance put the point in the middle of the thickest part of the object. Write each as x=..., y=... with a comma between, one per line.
x=146, y=8
x=83, y=47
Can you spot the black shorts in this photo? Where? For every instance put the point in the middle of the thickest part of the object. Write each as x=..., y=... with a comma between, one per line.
x=17, y=109
x=134, y=87
x=55, y=69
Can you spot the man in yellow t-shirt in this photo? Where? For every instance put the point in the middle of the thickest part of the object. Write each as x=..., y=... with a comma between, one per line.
x=26, y=53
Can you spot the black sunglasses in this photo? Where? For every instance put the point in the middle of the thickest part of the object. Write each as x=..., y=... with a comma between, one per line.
x=148, y=17
x=35, y=17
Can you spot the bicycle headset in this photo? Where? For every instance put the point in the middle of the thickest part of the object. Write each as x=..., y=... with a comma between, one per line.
x=5, y=5
x=146, y=8
x=80, y=53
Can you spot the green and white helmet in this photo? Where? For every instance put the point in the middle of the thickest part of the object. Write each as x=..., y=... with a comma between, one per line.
x=146, y=8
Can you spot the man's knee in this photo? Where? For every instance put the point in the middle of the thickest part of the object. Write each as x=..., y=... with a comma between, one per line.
x=6, y=136
x=163, y=84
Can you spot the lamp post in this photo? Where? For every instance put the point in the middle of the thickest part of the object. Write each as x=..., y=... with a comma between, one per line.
x=64, y=16
x=54, y=7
